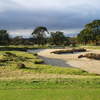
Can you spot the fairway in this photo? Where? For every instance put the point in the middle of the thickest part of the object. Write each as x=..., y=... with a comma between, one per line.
x=50, y=94
x=59, y=89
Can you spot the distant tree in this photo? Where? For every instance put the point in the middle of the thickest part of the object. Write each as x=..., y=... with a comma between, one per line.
x=73, y=41
x=4, y=37
x=40, y=35
x=18, y=40
x=91, y=33
x=58, y=38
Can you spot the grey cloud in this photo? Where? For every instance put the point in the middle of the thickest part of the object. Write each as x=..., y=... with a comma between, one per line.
x=54, y=14
x=51, y=19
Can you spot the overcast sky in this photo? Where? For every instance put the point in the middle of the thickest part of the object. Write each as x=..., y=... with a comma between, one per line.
x=22, y=16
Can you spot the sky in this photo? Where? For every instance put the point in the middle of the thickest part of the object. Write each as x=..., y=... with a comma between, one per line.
x=20, y=17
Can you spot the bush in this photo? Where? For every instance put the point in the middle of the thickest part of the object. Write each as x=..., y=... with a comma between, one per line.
x=35, y=54
x=10, y=54
x=91, y=56
x=4, y=58
x=21, y=66
x=69, y=51
x=79, y=50
x=39, y=61
x=80, y=56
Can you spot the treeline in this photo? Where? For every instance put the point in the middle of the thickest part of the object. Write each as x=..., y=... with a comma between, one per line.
x=90, y=34
x=41, y=36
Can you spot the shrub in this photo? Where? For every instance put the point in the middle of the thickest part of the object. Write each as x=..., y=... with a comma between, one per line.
x=35, y=54
x=69, y=51
x=39, y=61
x=80, y=56
x=79, y=50
x=10, y=54
x=3, y=60
x=91, y=56
x=21, y=66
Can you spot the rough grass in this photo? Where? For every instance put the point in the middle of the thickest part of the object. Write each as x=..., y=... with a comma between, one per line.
x=21, y=47
x=52, y=83
x=91, y=56
x=69, y=51
x=52, y=89
x=10, y=66
x=91, y=47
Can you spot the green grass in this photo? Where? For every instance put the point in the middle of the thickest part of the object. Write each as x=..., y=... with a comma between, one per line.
x=49, y=94
x=21, y=47
x=52, y=83
x=58, y=89
x=91, y=47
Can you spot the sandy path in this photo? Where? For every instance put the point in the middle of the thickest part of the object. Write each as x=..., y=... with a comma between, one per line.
x=89, y=65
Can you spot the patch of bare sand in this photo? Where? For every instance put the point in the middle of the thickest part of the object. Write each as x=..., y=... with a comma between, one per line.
x=89, y=65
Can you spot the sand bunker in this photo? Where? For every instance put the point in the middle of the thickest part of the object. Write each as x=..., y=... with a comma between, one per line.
x=89, y=65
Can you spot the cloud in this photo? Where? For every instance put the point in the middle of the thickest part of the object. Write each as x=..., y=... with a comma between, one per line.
x=54, y=14
x=58, y=5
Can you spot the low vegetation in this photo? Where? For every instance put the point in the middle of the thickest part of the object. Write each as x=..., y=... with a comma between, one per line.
x=91, y=56
x=67, y=83
x=21, y=66
x=51, y=89
x=69, y=51
x=91, y=47
x=21, y=47
x=39, y=61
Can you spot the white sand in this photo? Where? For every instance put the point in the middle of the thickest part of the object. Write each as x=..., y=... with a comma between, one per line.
x=89, y=65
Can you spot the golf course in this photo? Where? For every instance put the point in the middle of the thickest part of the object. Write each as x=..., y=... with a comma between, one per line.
x=37, y=75
x=61, y=62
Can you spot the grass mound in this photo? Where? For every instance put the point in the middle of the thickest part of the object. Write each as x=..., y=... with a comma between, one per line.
x=20, y=47
x=91, y=56
x=69, y=51
x=39, y=61
x=8, y=56
x=21, y=66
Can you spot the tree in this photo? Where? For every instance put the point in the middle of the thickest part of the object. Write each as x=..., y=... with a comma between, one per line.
x=91, y=33
x=4, y=37
x=58, y=38
x=40, y=35
x=18, y=40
